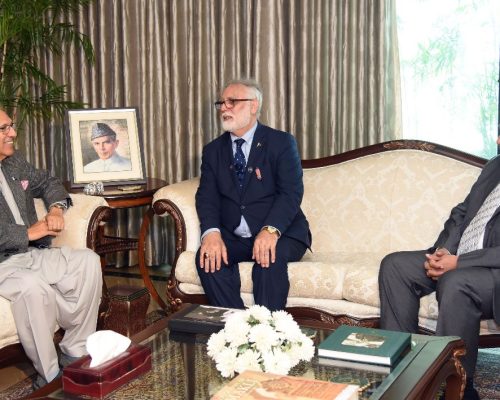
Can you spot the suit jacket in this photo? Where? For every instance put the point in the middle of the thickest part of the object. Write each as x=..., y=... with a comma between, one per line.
x=272, y=190
x=462, y=215
x=26, y=183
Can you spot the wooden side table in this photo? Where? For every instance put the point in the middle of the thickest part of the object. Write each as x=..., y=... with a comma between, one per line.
x=122, y=199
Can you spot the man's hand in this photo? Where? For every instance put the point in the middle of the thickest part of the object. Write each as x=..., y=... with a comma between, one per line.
x=439, y=263
x=213, y=252
x=264, y=248
x=55, y=219
x=39, y=230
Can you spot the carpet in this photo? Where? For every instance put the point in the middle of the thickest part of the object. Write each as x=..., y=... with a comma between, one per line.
x=487, y=379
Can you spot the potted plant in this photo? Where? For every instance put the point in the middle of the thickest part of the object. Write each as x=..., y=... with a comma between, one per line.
x=28, y=27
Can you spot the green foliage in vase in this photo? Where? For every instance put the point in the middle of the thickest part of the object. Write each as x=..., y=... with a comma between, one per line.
x=27, y=28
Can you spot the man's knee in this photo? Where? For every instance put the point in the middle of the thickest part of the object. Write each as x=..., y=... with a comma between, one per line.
x=32, y=289
x=389, y=264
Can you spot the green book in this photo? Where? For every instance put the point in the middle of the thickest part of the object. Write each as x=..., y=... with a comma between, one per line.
x=368, y=345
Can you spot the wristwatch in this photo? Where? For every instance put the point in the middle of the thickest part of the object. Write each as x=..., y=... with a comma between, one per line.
x=60, y=205
x=271, y=229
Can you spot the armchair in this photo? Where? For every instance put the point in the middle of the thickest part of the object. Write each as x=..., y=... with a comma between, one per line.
x=82, y=230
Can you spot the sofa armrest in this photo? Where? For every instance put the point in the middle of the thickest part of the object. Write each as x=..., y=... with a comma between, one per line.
x=178, y=201
x=82, y=221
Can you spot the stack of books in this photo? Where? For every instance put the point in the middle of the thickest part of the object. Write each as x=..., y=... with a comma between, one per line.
x=197, y=318
x=357, y=347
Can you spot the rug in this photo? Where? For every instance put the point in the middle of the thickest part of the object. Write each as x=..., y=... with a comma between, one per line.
x=486, y=380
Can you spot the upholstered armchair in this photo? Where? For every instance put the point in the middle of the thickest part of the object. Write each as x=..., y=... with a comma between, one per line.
x=81, y=231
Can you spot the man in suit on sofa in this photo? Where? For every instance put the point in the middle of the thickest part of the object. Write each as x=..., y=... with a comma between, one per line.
x=463, y=268
x=46, y=286
x=248, y=203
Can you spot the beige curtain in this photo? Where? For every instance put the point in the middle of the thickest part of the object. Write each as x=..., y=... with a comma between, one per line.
x=329, y=71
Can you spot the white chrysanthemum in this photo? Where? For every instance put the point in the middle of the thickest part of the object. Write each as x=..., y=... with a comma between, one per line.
x=301, y=350
x=264, y=337
x=226, y=361
x=284, y=322
x=216, y=343
x=248, y=360
x=236, y=332
x=260, y=313
x=277, y=362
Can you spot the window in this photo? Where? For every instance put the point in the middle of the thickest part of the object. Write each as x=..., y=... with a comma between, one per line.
x=449, y=55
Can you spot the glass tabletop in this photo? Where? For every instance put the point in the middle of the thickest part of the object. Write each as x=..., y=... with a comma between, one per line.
x=181, y=369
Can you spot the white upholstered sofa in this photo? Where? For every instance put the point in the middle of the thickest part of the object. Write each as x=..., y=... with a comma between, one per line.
x=361, y=205
x=82, y=229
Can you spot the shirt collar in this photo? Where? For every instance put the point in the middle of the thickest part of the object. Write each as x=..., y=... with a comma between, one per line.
x=248, y=136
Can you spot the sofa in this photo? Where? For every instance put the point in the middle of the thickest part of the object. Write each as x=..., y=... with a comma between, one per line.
x=83, y=224
x=361, y=205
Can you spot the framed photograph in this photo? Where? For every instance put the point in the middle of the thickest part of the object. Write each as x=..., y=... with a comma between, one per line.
x=105, y=146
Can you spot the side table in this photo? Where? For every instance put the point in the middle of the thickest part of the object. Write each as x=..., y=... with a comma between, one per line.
x=123, y=199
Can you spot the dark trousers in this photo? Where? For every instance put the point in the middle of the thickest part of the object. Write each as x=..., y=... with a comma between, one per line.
x=464, y=295
x=270, y=285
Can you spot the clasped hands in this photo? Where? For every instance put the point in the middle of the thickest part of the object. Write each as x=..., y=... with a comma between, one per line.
x=213, y=251
x=51, y=225
x=440, y=262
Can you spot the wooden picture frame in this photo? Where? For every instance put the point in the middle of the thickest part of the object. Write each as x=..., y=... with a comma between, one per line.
x=105, y=146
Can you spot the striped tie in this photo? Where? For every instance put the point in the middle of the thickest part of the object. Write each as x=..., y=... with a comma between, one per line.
x=471, y=238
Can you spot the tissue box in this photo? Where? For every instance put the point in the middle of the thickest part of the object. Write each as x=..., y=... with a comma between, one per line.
x=99, y=381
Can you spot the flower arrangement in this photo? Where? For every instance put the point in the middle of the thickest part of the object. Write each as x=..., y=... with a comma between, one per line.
x=256, y=339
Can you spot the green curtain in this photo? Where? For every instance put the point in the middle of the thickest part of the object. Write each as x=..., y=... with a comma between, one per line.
x=329, y=71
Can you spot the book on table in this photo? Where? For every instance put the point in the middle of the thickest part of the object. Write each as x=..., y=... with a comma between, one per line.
x=363, y=366
x=260, y=385
x=367, y=345
x=198, y=318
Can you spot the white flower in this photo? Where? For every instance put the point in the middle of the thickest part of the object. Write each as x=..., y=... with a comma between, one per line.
x=216, y=343
x=248, y=360
x=277, y=362
x=226, y=361
x=264, y=337
x=256, y=339
x=258, y=313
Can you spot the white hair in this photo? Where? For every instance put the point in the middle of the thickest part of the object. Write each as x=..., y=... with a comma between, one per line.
x=251, y=84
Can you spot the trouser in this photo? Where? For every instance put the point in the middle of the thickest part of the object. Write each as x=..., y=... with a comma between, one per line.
x=50, y=288
x=464, y=295
x=270, y=285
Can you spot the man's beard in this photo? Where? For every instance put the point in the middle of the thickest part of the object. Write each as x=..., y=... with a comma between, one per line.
x=236, y=123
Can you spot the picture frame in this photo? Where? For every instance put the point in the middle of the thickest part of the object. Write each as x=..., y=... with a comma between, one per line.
x=105, y=145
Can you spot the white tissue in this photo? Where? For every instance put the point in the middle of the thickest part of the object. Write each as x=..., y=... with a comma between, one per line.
x=105, y=345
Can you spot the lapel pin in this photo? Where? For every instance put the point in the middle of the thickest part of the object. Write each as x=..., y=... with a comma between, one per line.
x=259, y=144
x=257, y=172
x=250, y=170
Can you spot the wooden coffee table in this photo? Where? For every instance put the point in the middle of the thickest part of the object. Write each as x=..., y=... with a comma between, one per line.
x=182, y=370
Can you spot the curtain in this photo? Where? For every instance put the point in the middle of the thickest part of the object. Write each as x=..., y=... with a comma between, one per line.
x=328, y=68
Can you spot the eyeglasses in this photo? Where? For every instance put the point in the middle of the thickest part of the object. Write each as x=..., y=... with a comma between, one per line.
x=229, y=103
x=4, y=129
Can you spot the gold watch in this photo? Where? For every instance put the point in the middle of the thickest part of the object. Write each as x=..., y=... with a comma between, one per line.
x=270, y=229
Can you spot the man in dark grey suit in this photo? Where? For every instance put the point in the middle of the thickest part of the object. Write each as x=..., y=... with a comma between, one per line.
x=47, y=287
x=463, y=267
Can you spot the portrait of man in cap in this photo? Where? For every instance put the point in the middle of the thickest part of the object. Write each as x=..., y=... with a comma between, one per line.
x=104, y=141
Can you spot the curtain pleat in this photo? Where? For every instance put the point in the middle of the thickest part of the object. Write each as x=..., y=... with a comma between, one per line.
x=329, y=72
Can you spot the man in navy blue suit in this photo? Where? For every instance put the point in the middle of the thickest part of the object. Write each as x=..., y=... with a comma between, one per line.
x=248, y=203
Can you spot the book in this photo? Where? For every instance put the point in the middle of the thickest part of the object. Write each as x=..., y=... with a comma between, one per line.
x=369, y=345
x=260, y=385
x=197, y=318
x=363, y=366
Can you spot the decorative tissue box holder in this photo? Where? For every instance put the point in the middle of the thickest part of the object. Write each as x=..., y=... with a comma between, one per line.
x=79, y=379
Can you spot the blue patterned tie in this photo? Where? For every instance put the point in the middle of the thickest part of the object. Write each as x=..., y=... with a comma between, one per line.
x=239, y=161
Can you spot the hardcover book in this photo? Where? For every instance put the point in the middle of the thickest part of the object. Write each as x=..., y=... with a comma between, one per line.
x=368, y=345
x=363, y=366
x=260, y=385
x=197, y=318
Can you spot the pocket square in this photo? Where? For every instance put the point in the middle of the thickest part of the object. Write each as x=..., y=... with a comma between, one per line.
x=24, y=184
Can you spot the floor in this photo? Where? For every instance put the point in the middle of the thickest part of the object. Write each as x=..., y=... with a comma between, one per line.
x=113, y=276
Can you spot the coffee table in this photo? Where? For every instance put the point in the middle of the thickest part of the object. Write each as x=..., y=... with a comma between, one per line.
x=182, y=370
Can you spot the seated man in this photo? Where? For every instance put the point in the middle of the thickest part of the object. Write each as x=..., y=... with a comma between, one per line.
x=46, y=286
x=463, y=268
x=104, y=141
x=248, y=203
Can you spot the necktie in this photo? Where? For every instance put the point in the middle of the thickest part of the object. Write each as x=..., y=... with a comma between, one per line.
x=475, y=230
x=239, y=161
x=9, y=198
